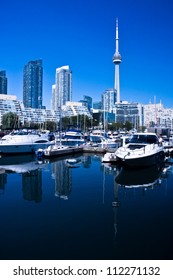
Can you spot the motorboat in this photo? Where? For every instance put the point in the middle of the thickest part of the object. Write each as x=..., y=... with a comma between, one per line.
x=111, y=157
x=57, y=150
x=24, y=142
x=142, y=150
x=72, y=137
x=102, y=142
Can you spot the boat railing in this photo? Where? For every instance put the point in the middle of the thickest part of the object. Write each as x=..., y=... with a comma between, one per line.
x=143, y=150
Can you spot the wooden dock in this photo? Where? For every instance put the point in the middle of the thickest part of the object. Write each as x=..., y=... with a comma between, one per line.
x=54, y=151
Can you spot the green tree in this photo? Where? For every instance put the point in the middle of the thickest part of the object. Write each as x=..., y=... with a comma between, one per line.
x=10, y=121
x=128, y=125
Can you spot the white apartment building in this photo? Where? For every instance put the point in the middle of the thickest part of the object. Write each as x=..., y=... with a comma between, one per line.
x=9, y=103
x=157, y=115
x=62, y=89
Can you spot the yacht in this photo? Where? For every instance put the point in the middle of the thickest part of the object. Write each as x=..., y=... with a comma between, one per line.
x=110, y=157
x=142, y=150
x=72, y=137
x=24, y=142
x=102, y=141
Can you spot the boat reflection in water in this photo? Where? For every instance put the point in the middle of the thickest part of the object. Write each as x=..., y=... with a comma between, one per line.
x=140, y=180
x=30, y=171
x=19, y=164
x=146, y=177
x=84, y=207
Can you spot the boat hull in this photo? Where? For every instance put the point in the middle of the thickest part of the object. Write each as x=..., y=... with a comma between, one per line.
x=142, y=161
x=23, y=148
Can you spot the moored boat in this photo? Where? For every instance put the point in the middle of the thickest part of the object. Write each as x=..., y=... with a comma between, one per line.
x=72, y=137
x=57, y=150
x=142, y=150
x=23, y=142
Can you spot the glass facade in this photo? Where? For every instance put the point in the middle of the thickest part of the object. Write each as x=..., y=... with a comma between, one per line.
x=131, y=112
x=109, y=97
x=32, y=84
x=62, y=90
x=89, y=101
x=3, y=82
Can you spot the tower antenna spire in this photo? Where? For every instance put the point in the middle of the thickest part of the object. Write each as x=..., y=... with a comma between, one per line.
x=117, y=60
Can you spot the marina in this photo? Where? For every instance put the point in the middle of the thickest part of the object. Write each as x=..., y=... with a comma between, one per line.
x=77, y=207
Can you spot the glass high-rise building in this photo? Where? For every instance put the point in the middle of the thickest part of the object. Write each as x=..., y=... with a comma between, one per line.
x=3, y=82
x=89, y=101
x=62, y=90
x=33, y=84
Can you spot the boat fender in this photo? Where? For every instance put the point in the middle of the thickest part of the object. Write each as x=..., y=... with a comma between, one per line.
x=40, y=153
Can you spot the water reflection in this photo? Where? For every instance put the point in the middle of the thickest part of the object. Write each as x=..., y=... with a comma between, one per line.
x=32, y=185
x=30, y=171
x=18, y=164
x=62, y=173
x=143, y=177
x=3, y=182
x=63, y=179
x=95, y=200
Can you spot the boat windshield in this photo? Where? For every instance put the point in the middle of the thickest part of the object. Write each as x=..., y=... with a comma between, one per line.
x=145, y=139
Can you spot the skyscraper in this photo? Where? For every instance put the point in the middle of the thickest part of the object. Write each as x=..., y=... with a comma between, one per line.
x=3, y=82
x=89, y=101
x=62, y=90
x=117, y=60
x=32, y=84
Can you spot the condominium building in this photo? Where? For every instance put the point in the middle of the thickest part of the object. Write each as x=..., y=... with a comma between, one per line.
x=74, y=109
x=32, y=84
x=10, y=103
x=62, y=89
x=152, y=113
x=108, y=100
x=3, y=82
x=131, y=112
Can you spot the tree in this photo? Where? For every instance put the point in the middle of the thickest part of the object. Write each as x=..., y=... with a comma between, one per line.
x=128, y=125
x=10, y=121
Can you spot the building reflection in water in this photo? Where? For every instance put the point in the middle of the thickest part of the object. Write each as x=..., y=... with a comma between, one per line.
x=3, y=182
x=32, y=185
x=115, y=205
x=63, y=179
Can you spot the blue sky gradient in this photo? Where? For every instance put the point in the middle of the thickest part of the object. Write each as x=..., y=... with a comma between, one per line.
x=81, y=34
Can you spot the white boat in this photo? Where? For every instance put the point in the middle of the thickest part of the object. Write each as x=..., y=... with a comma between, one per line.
x=143, y=150
x=23, y=142
x=111, y=157
x=57, y=150
x=103, y=142
x=71, y=137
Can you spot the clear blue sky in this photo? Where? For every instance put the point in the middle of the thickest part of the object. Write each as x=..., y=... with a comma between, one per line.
x=81, y=34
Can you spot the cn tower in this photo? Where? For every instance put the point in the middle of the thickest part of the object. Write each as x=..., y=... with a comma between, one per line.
x=117, y=60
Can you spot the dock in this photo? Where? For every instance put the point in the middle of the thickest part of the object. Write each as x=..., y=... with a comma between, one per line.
x=55, y=151
x=90, y=149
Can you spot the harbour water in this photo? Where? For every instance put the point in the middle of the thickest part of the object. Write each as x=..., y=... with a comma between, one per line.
x=53, y=209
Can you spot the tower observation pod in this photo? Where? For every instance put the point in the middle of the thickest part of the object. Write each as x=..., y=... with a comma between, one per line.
x=117, y=60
